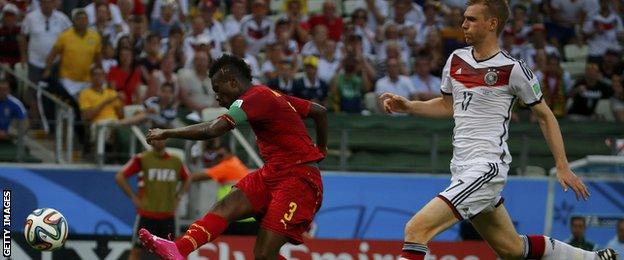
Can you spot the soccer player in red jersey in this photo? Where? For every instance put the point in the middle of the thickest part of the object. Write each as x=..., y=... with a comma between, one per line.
x=285, y=193
x=480, y=85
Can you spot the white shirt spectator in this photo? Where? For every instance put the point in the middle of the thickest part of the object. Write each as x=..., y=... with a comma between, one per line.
x=198, y=90
x=600, y=42
x=327, y=69
x=183, y=4
x=570, y=9
x=43, y=32
x=231, y=26
x=382, y=56
x=432, y=85
x=267, y=67
x=257, y=35
x=616, y=245
x=423, y=31
x=113, y=9
x=310, y=49
x=253, y=65
x=381, y=5
x=402, y=87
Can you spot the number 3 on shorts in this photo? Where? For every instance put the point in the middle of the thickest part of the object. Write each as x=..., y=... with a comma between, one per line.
x=292, y=207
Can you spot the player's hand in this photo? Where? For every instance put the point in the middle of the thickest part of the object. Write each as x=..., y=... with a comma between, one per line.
x=155, y=134
x=568, y=180
x=394, y=103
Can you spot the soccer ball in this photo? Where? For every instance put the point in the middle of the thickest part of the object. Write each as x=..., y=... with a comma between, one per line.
x=46, y=229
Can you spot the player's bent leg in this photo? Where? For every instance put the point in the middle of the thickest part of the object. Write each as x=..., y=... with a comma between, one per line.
x=268, y=245
x=432, y=219
x=497, y=229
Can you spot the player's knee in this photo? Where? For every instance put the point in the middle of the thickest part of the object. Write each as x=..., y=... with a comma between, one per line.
x=416, y=231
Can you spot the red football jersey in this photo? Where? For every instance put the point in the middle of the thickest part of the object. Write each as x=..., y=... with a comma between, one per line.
x=276, y=119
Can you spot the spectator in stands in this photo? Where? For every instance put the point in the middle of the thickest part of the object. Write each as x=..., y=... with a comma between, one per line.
x=79, y=48
x=587, y=92
x=617, y=100
x=195, y=85
x=611, y=64
x=577, y=228
x=163, y=179
x=285, y=78
x=129, y=8
x=392, y=51
x=320, y=38
x=295, y=13
x=329, y=19
x=391, y=36
x=538, y=43
x=165, y=74
x=163, y=24
x=353, y=47
x=426, y=85
x=126, y=76
x=556, y=84
x=283, y=36
x=174, y=45
x=13, y=113
x=232, y=23
x=348, y=87
x=414, y=12
x=209, y=11
x=150, y=58
x=180, y=12
x=432, y=21
x=452, y=34
x=274, y=56
x=103, y=24
x=137, y=35
x=329, y=65
x=40, y=29
x=359, y=21
x=160, y=111
x=617, y=243
x=565, y=15
x=100, y=104
x=10, y=30
x=115, y=13
x=518, y=26
x=238, y=44
x=197, y=36
x=257, y=28
x=108, y=56
x=603, y=31
x=310, y=87
x=394, y=82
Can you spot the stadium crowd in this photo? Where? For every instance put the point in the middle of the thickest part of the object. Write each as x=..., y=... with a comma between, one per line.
x=103, y=55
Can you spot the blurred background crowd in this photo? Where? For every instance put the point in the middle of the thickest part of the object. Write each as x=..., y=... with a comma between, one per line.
x=103, y=55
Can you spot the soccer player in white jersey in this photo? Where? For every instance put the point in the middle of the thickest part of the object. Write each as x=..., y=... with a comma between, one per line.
x=480, y=84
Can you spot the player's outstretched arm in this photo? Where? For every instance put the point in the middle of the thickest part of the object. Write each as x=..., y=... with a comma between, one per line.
x=201, y=131
x=318, y=113
x=438, y=107
x=550, y=129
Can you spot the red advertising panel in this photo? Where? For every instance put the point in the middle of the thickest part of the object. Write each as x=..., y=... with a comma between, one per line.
x=240, y=248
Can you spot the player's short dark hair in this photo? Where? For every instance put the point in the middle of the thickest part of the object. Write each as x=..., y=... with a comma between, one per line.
x=233, y=66
x=575, y=218
x=498, y=9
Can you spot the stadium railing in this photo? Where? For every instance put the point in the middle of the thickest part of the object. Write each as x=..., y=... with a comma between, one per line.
x=63, y=122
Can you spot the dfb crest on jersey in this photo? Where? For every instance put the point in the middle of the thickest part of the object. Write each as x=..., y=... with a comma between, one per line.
x=491, y=77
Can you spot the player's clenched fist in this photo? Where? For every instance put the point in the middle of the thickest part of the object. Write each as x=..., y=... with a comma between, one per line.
x=155, y=134
x=394, y=103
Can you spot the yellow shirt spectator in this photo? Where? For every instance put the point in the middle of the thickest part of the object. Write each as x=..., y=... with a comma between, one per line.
x=77, y=53
x=90, y=98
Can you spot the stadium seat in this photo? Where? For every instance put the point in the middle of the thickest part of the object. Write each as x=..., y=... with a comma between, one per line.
x=603, y=110
x=574, y=52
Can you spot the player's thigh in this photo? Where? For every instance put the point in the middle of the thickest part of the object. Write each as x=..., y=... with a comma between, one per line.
x=268, y=244
x=432, y=219
x=496, y=228
x=234, y=206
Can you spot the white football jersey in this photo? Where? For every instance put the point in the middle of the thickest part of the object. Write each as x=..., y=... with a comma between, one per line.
x=484, y=93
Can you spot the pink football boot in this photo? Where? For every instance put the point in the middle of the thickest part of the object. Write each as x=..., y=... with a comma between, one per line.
x=164, y=248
